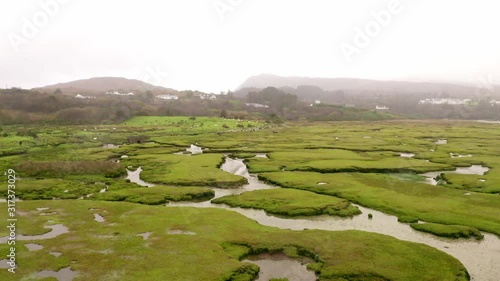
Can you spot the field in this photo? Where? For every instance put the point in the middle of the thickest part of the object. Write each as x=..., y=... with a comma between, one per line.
x=192, y=124
x=318, y=169
x=199, y=244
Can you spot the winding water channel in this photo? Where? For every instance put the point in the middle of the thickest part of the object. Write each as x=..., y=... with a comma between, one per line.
x=472, y=170
x=481, y=258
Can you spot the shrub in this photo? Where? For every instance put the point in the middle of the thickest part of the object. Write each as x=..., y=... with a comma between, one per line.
x=137, y=139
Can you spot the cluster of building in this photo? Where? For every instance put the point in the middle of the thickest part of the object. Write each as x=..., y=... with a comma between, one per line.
x=256, y=105
x=208, y=97
x=78, y=96
x=174, y=97
x=118, y=93
x=167, y=97
x=494, y=102
x=450, y=101
x=315, y=102
x=160, y=97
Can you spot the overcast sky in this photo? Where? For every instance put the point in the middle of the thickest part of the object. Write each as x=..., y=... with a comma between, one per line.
x=214, y=45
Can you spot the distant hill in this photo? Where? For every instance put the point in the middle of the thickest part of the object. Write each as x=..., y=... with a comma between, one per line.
x=100, y=85
x=354, y=86
x=452, y=101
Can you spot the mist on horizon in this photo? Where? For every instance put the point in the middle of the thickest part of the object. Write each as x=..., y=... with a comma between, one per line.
x=216, y=45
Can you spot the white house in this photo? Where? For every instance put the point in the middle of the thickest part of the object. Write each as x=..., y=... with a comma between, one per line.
x=208, y=97
x=167, y=97
x=381, y=107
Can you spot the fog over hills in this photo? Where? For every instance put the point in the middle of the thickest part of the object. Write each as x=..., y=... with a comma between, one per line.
x=330, y=90
x=100, y=85
x=358, y=86
x=415, y=99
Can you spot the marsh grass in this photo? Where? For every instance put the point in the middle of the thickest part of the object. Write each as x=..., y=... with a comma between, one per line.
x=449, y=231
x=243, y=155
x=157, y=195
x=407, y=219
x=62, y=168
x=123, y=255
x=289, y=202
x=196, y=170
x=46, y=189
x=326, y=147
x=380, y=192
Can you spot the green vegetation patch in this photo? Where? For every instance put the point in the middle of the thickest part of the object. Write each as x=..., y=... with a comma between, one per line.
x=408, y=177
x=386, y=165
x=407, y=219
x=338, y=160
x=46, y=189
x=450, y=231
x=64, y=168
x=157, y=195
x=262, y=165
x=289, y=202
x=243, y=155
x=488, y=183
x=198, y=124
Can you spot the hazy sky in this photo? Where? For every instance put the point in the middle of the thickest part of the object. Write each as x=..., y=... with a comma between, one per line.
x=214, y=45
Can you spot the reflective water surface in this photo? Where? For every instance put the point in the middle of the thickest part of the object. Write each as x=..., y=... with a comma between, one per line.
x=281, y=266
